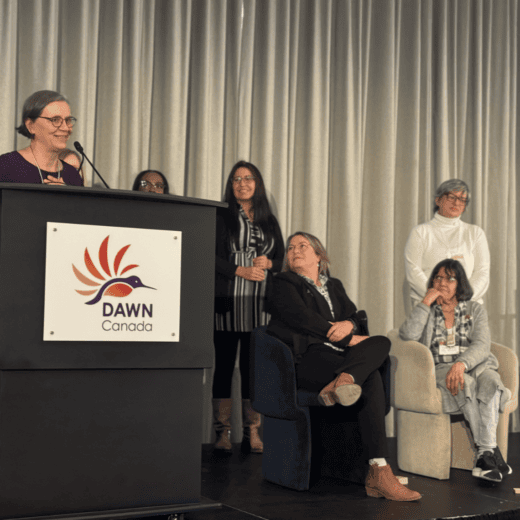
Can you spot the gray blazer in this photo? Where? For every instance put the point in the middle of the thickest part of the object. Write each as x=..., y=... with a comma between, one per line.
x=478, y=357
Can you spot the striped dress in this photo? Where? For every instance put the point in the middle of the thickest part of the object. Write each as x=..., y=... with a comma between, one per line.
x=249, y=298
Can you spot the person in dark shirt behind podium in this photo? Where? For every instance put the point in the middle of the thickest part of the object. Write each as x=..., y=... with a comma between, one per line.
x=47, y=122
x=151, y=181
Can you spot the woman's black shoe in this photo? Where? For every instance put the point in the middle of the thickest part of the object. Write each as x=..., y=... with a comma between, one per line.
x=502, y=465
x=486, y=468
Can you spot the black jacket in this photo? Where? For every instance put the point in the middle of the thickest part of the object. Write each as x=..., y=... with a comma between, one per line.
x=300, y=315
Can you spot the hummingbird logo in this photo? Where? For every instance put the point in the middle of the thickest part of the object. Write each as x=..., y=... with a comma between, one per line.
x=111, y=284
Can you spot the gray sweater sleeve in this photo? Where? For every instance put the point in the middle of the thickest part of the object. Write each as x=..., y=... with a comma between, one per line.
x=414, y=328
x=480, y=346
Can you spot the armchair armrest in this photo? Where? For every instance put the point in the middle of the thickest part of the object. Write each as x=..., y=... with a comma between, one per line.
x=413, y=377
x=508, y=370
x=273, y=377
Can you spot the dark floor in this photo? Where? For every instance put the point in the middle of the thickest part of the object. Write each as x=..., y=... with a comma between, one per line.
x=236, y=481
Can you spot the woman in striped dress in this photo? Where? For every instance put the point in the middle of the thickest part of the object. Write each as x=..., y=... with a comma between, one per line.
x=249, y=249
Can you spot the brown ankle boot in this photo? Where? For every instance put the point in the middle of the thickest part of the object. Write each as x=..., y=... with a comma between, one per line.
x=346, y=392
x=251, y=421
x=327, y=397
x=222, y=424
x=381, y=482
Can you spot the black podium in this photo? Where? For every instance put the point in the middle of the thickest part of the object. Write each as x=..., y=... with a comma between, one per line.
x=100, y=429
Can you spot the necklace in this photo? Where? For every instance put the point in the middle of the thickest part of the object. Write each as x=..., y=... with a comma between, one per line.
x=38, y=166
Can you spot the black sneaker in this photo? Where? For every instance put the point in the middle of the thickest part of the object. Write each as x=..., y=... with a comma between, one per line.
x=486, y=468
x=502, y=465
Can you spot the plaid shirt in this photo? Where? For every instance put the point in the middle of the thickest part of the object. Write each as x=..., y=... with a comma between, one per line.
x=461, y=326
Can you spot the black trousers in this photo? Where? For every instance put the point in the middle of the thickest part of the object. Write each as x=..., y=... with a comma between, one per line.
x=321, y=364
x=226, y=345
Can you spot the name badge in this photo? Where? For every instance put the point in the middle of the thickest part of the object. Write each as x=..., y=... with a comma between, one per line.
x=445, y=350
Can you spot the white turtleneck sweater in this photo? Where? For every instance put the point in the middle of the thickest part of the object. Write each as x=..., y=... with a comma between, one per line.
x=442, y=238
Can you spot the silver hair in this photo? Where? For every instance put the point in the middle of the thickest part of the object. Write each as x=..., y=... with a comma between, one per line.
x=448, y=186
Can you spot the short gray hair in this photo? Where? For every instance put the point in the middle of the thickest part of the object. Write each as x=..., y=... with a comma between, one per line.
x=449, y=186
x=34, y=105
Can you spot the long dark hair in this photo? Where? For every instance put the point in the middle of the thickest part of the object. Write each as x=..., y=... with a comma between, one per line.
x=137, y=182
x=262, y=211
x=454, y=268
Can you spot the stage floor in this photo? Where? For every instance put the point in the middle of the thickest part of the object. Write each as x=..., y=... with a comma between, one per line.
x=236, y=481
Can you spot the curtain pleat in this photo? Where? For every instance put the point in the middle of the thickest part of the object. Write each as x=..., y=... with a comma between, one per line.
x=9, y=96
x=80, y=30
x=354, y=111
x=169, y=130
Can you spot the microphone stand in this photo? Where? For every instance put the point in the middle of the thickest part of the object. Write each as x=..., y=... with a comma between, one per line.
x=79, y=148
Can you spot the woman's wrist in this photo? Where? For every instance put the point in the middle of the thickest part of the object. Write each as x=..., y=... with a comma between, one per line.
x=354, y=327
x=429, y=300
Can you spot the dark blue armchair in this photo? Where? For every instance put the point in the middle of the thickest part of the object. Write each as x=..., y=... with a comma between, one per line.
x=302, y=441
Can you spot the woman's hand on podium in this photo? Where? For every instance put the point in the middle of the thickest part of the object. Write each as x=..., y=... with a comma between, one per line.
x=54, y=181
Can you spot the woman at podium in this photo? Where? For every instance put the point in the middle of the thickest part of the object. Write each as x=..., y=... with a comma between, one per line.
x=47, y=122
x=249, y=249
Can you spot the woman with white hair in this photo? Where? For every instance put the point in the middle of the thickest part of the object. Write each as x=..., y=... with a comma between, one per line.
x=446, y=236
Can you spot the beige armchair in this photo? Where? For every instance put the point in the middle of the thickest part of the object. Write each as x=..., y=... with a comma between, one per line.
x=429, y=442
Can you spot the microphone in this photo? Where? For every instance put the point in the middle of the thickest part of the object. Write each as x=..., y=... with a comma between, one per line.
x=79, y=148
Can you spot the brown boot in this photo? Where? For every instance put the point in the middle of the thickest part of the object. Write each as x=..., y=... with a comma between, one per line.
x=381, y=482
x=346, y=392
x=222, y=424
x=251, y=421
x=341, y=390
x=327, y=397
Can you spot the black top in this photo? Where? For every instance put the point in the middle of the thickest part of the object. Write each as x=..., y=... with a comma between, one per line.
x=300, y=315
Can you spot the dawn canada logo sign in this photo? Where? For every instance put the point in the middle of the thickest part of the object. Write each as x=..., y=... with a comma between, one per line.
x=113, y=284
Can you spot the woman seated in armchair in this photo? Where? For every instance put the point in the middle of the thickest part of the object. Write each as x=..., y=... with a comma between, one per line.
x=313, y=315
x=456, y=330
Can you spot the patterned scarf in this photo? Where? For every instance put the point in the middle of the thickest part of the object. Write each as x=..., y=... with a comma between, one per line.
x=461, y=326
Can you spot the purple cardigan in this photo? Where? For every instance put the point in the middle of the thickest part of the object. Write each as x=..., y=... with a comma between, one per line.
x=14, y=168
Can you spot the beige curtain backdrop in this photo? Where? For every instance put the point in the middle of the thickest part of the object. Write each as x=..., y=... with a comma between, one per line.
x=354, y=112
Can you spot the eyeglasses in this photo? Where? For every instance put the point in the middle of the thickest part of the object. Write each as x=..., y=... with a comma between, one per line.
x=440, y=278
x=58, y=121
x=301, y=247
x=454, y=198
x=148, y=184
x=247, y=178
